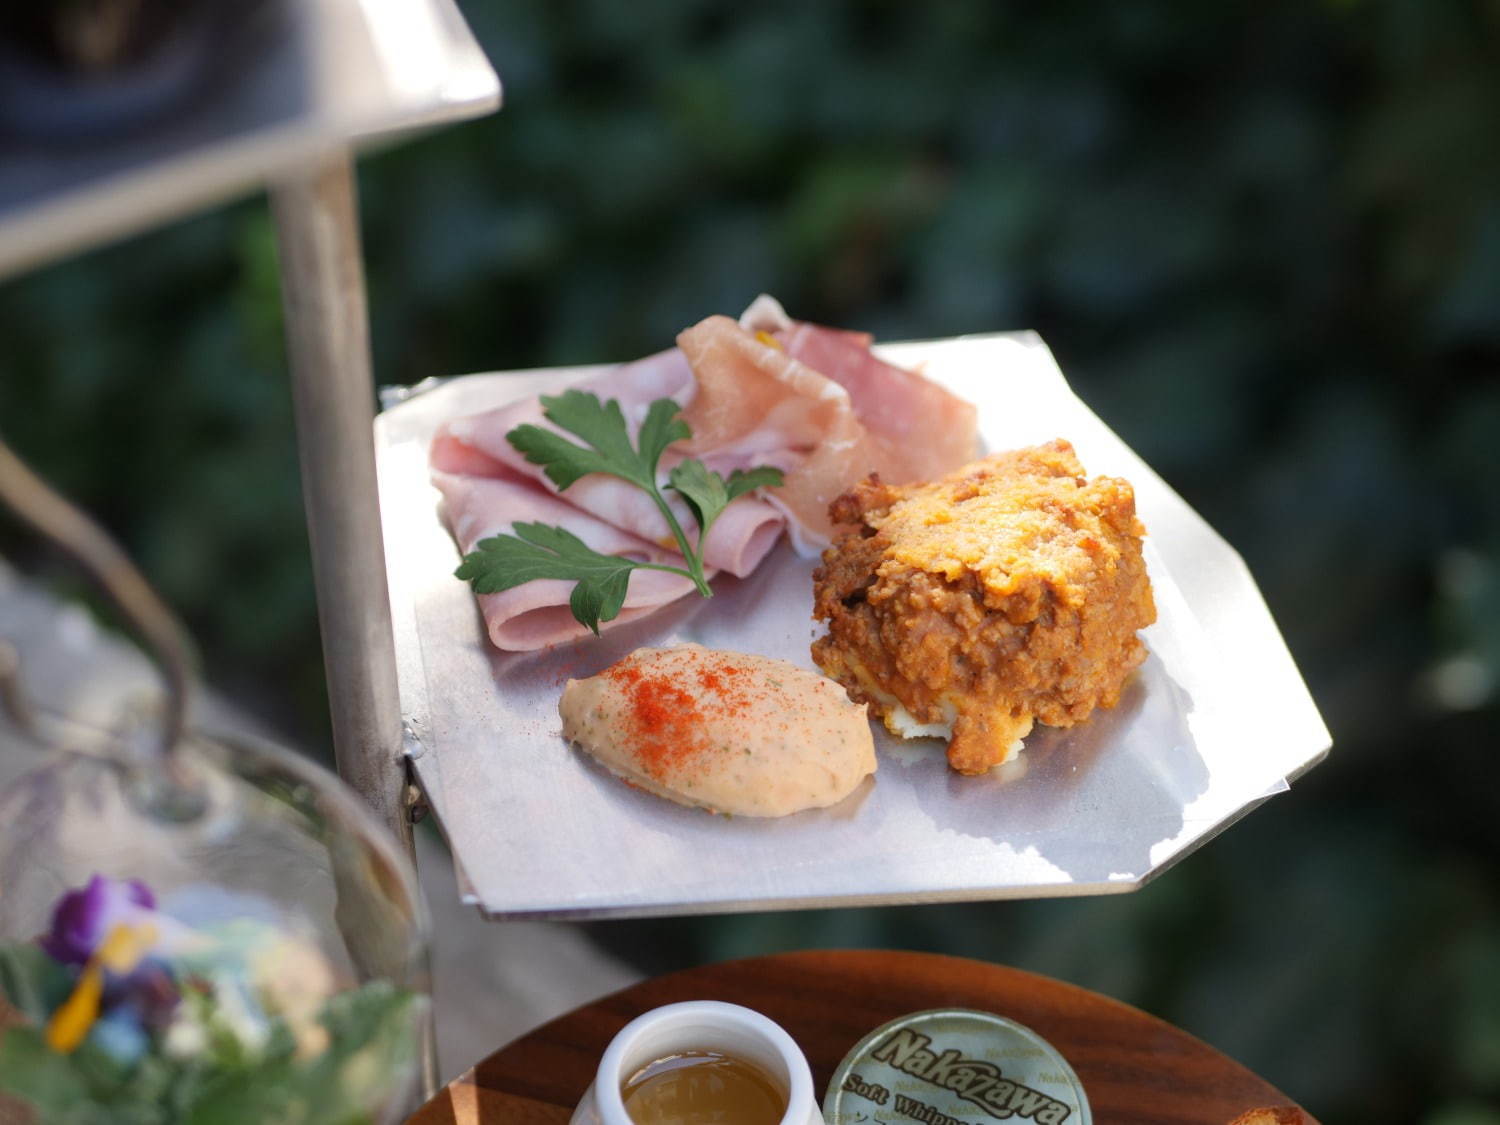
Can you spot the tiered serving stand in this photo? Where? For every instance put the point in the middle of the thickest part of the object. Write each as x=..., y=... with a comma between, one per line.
x=426, y=714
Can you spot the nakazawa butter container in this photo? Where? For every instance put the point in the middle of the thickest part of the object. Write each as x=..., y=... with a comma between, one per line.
x=953, y=1066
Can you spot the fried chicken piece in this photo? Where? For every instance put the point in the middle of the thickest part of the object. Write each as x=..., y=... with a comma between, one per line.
x=1007, y=592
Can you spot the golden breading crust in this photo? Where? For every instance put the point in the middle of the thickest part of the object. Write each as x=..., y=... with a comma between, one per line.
x=1006, y=592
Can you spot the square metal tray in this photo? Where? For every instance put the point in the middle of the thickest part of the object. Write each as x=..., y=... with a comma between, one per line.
x=1217, y=720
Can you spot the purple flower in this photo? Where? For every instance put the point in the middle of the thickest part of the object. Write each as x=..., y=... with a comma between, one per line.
x=84, y=918
x=150, y=994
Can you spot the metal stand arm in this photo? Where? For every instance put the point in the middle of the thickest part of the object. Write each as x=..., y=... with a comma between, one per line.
x=328, y=337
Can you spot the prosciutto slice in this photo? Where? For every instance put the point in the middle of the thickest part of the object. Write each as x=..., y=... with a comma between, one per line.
x=818, y=404
x=536, y=614
x=934, y=430
x=477, y=446
x=926, y=430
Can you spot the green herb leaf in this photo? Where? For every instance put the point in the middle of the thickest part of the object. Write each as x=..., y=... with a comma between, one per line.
x=602, y=426
x=704, y=490
x=663, y=426
x=536, y=550
x=708, y=494
x=742, y=481
x=562, y=461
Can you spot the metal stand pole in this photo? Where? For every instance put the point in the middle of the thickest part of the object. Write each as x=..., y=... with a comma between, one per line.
x=328, y=340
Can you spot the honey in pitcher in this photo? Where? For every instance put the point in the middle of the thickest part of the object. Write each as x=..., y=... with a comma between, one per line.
x=702, y=1088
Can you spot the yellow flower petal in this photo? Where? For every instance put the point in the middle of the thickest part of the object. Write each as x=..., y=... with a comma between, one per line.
x=72, y=1020
x=123, y=949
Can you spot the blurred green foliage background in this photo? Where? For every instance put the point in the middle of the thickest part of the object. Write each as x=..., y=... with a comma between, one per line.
x=1264, y=243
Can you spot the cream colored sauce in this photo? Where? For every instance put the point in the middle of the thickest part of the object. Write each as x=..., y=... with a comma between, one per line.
x=726, y=731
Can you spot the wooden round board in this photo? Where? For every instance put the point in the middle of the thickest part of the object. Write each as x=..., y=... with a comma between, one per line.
x=1135, y=1068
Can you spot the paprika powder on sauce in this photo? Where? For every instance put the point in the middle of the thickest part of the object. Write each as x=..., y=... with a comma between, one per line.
x=731, y=732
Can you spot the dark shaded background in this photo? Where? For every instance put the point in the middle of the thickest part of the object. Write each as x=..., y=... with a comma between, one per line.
x=1264, y=242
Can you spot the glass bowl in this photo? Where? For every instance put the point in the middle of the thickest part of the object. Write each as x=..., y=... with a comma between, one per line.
x=235, y=940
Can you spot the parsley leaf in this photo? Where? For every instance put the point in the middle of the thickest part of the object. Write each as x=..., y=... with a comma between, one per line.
x=660, y=429
x=565, y=461
x=536, y=550
x=742, y=481
x=602, y=426
x=708, y=494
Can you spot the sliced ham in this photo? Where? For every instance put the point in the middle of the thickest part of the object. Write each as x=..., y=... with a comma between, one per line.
x=477, y=446
x=536, y=614
x=812, y=401
x=759, y=394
